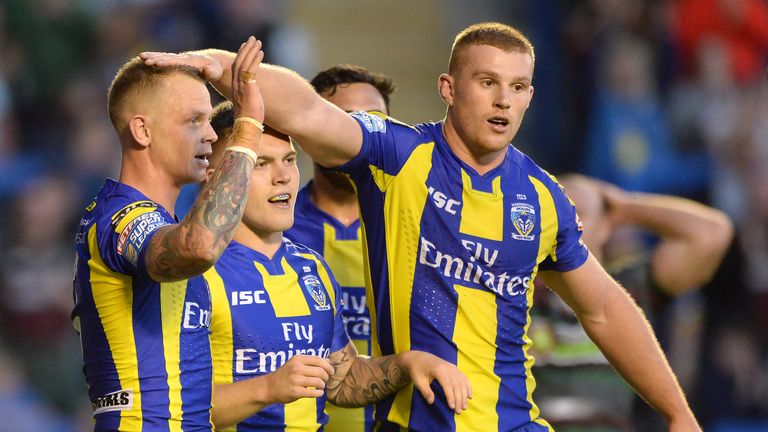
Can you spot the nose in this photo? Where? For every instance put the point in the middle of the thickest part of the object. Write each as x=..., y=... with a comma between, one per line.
x=503, y=98
x=280, y=174
x=210, y=135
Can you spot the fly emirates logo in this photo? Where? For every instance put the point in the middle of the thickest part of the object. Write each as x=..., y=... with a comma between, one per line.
x=252, y=361
x=473, y=271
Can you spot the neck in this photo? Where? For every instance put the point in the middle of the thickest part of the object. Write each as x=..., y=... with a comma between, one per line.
x=479, y=159
x=263, y=242
x=151, y=182
x=339, y=202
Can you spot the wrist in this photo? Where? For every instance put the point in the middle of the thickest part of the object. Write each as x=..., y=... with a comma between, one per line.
x=261, y=389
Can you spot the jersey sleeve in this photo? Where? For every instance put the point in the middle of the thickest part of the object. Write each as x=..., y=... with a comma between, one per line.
x=386, y=146
x=569, y=252
x=126, y=234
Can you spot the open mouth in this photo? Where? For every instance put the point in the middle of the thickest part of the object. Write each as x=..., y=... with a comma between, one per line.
x=203, y=157
x=499, y=121
x=281, y=199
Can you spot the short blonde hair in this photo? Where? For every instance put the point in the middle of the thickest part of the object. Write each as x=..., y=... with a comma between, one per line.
x=135, y=76
x=495, y=34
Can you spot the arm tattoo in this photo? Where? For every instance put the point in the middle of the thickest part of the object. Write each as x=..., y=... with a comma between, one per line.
x=367, y=380
x=189, y=248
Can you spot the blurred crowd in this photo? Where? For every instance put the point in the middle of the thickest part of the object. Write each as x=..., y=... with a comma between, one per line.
x=651, y=95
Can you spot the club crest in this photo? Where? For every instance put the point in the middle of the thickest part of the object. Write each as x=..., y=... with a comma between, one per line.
x=524, y=220
x=315, y=290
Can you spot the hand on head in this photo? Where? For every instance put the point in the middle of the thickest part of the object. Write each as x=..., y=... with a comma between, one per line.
x=246, y=96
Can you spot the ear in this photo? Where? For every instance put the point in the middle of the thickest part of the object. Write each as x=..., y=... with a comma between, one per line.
x=140, y=130
x=530, y=97
x=208, y=174
x=445, y=88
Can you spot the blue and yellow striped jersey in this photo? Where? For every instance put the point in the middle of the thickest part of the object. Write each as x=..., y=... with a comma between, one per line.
x=265, y=311
x=342, y=248
x=146, y=351
x=451, y=258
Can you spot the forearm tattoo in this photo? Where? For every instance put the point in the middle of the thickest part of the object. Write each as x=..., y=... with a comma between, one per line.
x=209, y=226
x=368, y=380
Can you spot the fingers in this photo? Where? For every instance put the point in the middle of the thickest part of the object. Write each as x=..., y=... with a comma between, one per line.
x=449, y=389
x=423, y=387
x=252, y=49
x=312, y=366
x=317, y=362
x=308, y=392
x=462, y=389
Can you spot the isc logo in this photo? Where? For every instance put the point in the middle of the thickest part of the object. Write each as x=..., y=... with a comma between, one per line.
x=242, y=298
x=442, y=201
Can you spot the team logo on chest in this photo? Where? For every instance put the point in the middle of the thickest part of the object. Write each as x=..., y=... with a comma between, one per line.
x=316, y=291
x=524, y=220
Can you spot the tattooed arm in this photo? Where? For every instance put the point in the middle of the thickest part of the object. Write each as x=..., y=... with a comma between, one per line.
x=188, y=249
x=180, y=251
x=359, y=380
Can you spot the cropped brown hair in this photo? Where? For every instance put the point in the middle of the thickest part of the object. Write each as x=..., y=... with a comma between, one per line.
x=495, y=34
x=329, y=79
x=136, y=77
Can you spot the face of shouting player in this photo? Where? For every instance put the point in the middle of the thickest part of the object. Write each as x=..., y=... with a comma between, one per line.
x=181, y=135
x=273, y=189
x=487, y=96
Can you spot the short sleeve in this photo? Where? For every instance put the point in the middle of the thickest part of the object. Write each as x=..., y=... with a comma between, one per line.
x=125, y=235
x=386, y=146
x=570, y=252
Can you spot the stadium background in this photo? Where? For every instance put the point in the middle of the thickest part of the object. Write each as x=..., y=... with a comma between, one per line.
x=657, y=95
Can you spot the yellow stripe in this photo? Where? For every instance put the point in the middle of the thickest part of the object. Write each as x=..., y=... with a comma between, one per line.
x=482, y=213
x=172, y=296
x=301, y=415
x=403, y=207
x=113, y=297
x=345, y=257
x=285, y=293
x=475, y=336
x=222, y=342
x=131, y=216
x=344, y=419
x=547, y=243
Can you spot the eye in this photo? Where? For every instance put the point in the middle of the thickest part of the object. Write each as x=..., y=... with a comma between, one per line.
x=486, y=82
x=290, y=160
x=194, y=121
x=518, y=87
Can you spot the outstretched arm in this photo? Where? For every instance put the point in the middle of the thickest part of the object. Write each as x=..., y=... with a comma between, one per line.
x=693, y=236
x=301, y=376
x=329, y=135
x=360, y=380
x=180, y=251
x=615, y=323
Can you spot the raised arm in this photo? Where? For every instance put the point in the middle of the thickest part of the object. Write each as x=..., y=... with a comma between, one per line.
x=359, y=380
x=692, y=235
x=329, y=135
x=189, y=248
x=618, y=327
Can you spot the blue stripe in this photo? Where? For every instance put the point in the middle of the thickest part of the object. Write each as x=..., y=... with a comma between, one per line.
x=376, y=239
x=148, y=334
x=195, y=365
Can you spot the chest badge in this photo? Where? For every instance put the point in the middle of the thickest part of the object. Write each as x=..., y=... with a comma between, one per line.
x=315, y=290
x=524, y=220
